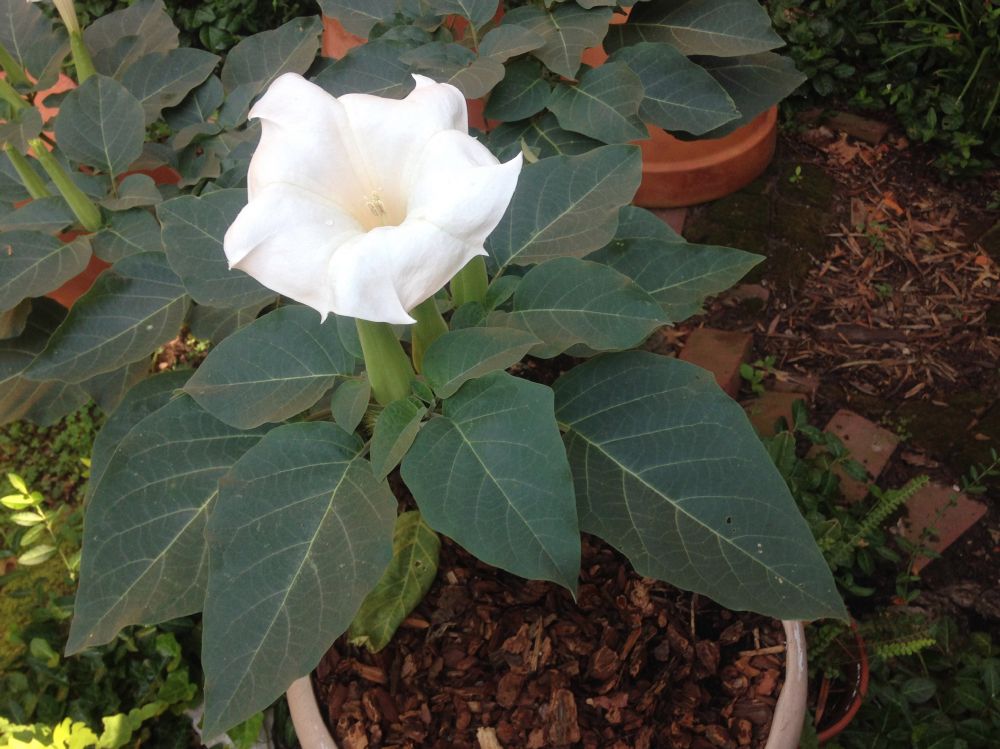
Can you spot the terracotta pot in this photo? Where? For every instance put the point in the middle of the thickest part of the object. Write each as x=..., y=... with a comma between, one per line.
x=832, y=715
x=786, y=725
x=679, y=173
x=338, y=41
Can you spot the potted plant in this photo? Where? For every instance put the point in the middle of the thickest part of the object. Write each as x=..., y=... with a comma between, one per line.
x=702, y=110
x=365, y=298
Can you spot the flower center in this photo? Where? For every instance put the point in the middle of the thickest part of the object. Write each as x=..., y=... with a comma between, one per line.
x=376, y=213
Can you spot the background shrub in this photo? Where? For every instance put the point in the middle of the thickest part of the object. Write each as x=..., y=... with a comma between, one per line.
x=934, y=63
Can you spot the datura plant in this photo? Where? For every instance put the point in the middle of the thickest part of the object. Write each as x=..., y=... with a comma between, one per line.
x=371, y=274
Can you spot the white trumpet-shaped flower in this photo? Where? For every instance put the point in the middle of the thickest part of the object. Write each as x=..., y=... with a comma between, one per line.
x=67, y=11
x=365, y=206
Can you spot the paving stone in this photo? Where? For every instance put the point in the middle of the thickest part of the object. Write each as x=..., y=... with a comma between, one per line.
x=868, y=443
x=944, y=513
x=765, y=411
x=720, y=352
x=862, y=128
x=797, y=382
x=674, y=217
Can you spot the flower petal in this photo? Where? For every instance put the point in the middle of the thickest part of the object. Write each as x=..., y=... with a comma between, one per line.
x=460, y=187
x=306, y=140
x=393, y=132
x=285, y=238
x=383, y=274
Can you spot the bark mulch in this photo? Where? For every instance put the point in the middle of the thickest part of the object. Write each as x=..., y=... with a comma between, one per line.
x=489, y=660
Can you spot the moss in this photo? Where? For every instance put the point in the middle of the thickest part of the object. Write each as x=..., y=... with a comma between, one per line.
x=806, y=185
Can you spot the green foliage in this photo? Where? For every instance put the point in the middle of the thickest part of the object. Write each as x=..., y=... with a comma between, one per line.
x=935, y=64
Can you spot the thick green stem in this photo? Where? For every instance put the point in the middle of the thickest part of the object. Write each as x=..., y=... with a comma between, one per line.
x=389, y=368
x=29, y=177
x=88, y=214
x=81, y=56
x=15, y=73
x=469, y=284
x=10, y=95
x=429, y=326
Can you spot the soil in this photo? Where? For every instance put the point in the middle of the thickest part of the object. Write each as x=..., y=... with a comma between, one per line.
x=490, y=660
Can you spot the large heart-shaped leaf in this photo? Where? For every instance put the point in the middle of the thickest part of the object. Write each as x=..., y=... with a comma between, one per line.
x=359, y=16
x=395, y=429
x=477, y=11
x=29, y=37
x=567, y=301
x=452, y=63
x=20, y=398
x=133, y=307
x=33, y=264
x=567, y=30
x=101, y=124
x=415, y=548
x=524, y=91
x=373, y=68
x=47, y=215
x=724, y=28
x=163, y=79
x=491, y=474
x=566, y=206
x=509, y=40
x=541, y=136
x=677, y=93
x=127, y=233
x=144, y=554
x=18, y=131
x=301, y=533
x=193, y=232
x=677, y=274
x=275, y=367
x=462, y=355
x=603, y=105
x=669, y=471
x=117, y=40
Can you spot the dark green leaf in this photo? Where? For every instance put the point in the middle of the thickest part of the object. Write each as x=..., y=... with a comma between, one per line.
x=24, y=126
x=163, y=79
x=669, y=471
x=567, y=30
x=20, y=398
x=462, y=355
x=275, y=367
x=301, y=533
x=257, y=60
x=603, y=105
x=33, y=264
x=678, y=95
x=13, y=320
x=372, y=68
x=101, y=124
x=452, y=63
x=541, y=135
x=680, y=276
x=359, y=16
x=522, y=92
x=567, y=301
x=107, y=390
x=395, y=430
x=509, y=40
x=754, y=82
x=492, y=474
x=566, y=205
x=31, y=40
x=414, y=564
x=133, y=307
x=213, y=324
x=349, y=402
x=193, y=230
x=117, y=40
x=145, y=559
x=197, y=107
x=127, y=233
x=135, y=191
x=918, y=689
x=479, y=12
x=49, y=215
x=724, y=28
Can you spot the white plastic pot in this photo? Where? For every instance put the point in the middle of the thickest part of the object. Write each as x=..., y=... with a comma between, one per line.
x=786, y=726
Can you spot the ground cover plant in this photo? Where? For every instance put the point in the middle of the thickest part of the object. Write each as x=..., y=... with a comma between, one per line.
x=248, y=490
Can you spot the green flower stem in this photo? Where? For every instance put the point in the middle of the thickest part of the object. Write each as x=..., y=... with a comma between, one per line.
x=389, y=368
x=29, y=177
x=81, y=56
x=429, y=326
x=15, y=73
x=10, y=95
x=469, y=284
x=88, y=214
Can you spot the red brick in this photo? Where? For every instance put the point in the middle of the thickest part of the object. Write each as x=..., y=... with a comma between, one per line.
x=868, y=443
x=675, y=217
x=765, y=411
x=720, y=352
x=945, y=513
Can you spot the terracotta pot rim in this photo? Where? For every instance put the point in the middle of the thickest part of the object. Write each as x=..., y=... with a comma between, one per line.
x=786, y=725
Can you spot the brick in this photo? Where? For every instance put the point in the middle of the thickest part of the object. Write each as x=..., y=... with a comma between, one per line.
x=674, y=217
x=765, y=411
x=942, y=511
x=720, y=352
x=868, y=443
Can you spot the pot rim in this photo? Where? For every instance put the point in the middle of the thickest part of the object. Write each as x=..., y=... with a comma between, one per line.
x=786, y=725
